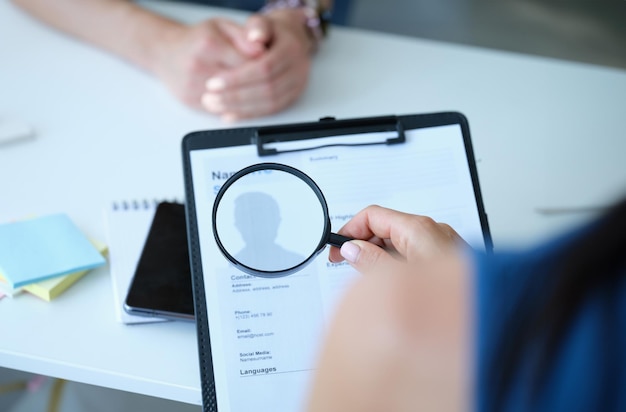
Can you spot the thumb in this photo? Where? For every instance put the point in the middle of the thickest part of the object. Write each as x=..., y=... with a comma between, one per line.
x=366, y=257
x=238, y=36
x=259, y=30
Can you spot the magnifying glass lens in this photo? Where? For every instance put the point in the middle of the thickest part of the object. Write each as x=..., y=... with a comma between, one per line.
x=270, y=221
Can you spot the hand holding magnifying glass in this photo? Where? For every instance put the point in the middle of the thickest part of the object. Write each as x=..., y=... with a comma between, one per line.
x=258, y=200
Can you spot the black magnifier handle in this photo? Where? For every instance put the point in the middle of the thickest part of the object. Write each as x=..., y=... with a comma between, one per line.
x=338, y=240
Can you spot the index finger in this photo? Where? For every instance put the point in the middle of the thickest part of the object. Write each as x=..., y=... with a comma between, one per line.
x=412, y=236
x=259, y=70
x=373, y=222
x=376, y=221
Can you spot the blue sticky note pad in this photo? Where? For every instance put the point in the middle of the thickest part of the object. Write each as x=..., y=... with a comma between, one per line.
x=41, y=248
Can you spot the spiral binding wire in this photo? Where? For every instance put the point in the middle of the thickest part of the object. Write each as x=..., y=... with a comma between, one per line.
x=142, y=204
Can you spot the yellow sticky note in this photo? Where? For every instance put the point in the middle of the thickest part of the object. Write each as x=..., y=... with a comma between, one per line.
x=51, y=288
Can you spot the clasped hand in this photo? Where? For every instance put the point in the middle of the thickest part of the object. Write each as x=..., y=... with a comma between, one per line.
x=236, y=70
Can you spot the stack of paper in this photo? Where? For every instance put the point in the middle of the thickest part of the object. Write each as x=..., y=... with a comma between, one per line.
x=6, y=289
x=44, y=256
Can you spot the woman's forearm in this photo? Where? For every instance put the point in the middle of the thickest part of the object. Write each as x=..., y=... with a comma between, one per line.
x=118, y=26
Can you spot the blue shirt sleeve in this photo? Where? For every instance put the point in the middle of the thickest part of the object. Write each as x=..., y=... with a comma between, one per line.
x=588, y=373
x=340, y=11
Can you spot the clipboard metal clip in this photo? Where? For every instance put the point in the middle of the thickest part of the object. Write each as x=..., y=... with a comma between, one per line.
x=328, y=132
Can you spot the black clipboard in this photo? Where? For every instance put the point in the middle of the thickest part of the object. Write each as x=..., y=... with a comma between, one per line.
x=309, y=137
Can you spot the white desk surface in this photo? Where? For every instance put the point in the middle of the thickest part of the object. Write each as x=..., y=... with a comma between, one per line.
x=546, y=133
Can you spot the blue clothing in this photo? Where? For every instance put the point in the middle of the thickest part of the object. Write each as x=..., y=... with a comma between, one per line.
x=339, y=13
x=588, y=372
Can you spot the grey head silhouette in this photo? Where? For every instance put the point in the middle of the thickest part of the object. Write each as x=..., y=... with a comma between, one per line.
x=257, y=217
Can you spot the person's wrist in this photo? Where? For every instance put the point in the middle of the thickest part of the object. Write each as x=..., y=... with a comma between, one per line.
x=293, y=20
x=306, y=12
x=161, y=48
x=153, y=37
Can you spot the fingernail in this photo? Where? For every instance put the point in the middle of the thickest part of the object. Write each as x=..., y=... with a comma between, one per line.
x=229, y=118
x=215, y=84
x=212, y=102
x=255, y=35
x=350, y=251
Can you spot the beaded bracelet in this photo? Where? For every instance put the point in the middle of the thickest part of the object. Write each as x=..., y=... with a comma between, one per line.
x=315, y=18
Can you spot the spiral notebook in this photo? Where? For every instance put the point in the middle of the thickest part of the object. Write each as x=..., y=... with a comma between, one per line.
x=128, y=224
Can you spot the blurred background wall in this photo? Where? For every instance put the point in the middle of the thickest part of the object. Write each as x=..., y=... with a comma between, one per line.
x=579, y=30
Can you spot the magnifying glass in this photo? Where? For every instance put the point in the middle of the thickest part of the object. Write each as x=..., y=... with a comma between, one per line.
x=271, y=220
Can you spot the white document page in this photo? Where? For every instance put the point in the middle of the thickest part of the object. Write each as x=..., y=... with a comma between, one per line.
x=266, y=333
